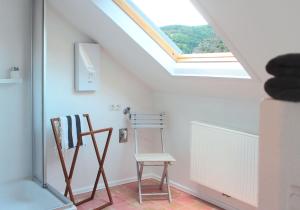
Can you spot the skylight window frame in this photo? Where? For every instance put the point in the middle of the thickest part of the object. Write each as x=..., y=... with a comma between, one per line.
x=166, y=46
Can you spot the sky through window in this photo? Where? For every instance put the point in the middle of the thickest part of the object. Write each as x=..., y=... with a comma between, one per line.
x=183, y=24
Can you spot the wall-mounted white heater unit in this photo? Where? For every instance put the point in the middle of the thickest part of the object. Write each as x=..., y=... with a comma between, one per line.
x=226, y=161
x=87, y=66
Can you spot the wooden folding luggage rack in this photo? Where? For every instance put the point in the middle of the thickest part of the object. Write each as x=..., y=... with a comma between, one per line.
x=68, y=176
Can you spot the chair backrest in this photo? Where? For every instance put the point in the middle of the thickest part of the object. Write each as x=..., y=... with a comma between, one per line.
x=151, y=121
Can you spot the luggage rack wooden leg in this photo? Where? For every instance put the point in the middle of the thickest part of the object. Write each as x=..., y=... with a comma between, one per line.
x=101, y=164
x=68, y=176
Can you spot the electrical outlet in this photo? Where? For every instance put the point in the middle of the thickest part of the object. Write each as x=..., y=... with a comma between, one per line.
x=115, y=107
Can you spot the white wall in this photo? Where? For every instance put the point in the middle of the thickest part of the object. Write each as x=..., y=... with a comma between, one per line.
x=279, y=168
x=116, y=86
x=242, y=115
x=15, y=105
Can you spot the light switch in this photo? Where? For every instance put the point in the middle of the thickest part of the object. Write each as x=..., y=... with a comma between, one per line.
x=294, y=198
x=123, y=135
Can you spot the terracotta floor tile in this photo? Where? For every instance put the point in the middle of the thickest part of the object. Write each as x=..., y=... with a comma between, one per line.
x=125, y=198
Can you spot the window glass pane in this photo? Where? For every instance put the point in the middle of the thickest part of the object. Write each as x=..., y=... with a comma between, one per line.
x=183, y=24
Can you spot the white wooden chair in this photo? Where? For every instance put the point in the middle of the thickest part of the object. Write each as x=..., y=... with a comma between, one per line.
x=151, y=121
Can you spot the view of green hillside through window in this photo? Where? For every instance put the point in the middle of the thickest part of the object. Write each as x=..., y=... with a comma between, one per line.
x=195, y=39
x=183, y=24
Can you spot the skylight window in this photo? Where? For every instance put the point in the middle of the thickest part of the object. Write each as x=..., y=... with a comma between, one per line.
x=179, y=29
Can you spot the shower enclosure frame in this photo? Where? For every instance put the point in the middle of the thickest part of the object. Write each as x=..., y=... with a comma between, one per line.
x=38, y=78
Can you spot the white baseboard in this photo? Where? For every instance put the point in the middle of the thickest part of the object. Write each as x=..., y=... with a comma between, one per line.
x=202, y=196
x=174, y=184
x=111, y=184
x=196, y=194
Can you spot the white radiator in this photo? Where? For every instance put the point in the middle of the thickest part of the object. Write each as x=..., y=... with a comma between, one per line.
x=225, y=160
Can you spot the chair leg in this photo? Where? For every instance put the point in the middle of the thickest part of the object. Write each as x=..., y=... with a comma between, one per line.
x=168, y=182
x=141, y=171
x=162, y=178
x=139, y=182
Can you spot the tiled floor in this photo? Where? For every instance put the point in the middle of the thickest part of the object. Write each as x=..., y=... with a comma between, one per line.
x=125, y=198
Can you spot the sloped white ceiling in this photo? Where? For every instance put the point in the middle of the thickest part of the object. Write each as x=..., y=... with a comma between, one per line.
x=255, y=31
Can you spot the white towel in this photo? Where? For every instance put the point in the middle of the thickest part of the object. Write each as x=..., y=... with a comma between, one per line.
x=74, y=131
x=84, y=128
x=63, y=131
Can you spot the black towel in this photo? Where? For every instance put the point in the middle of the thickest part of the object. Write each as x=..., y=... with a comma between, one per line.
x=285, y=65
x=284, y=88
x=70, y=133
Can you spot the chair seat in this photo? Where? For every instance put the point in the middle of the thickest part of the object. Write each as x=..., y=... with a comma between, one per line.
x=154, y=157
